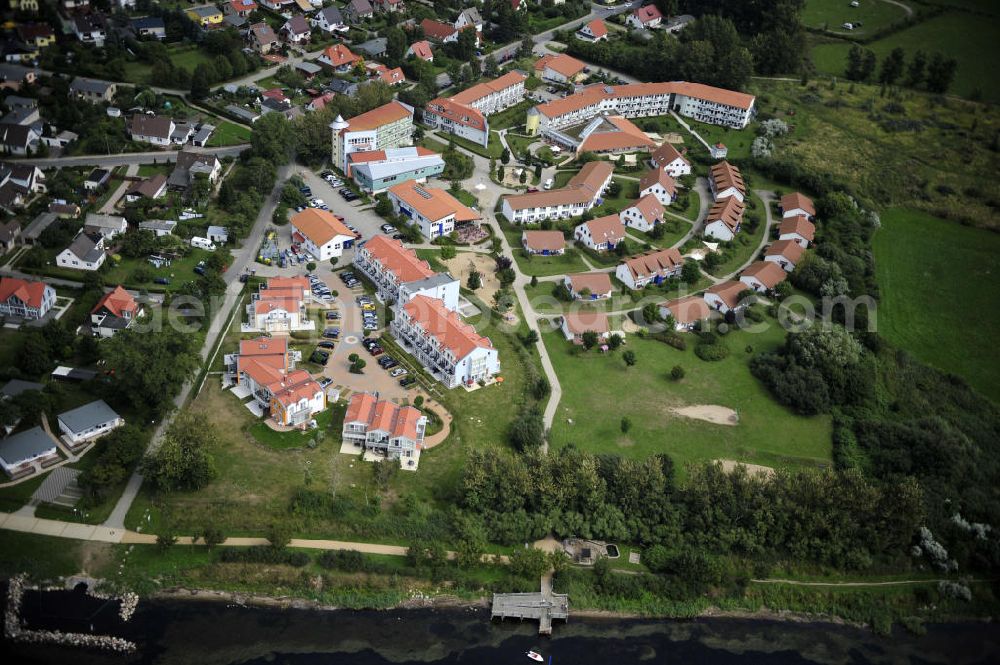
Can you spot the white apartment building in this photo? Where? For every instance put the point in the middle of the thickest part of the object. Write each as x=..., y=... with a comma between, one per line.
x=388, y=126
x=651, y=268
x=494, y=96
x=434, y=210
x=581, y=193
x=450, y=350
x=399, y=275
x=280, y=306
x=384, y=428
x=320, y=233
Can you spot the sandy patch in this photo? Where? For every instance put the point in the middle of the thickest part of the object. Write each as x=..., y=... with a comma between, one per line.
x=729, y=466
x=462, y=265
x=629, y=326
x=719, y=415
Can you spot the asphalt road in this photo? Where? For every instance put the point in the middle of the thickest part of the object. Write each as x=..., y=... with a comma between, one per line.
x=128, y=158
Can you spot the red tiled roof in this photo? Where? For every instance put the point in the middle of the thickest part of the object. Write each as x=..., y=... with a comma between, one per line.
x=798, y=225
x=797, y=200
x=586, y=321
x=667, y=153
x=117, y=302
x=729, y=211
x=397, y=259
x=340, y=55
x=661, y=177
x=446, y=326
x=30, y=293
x=647, y=14
x=688, y=309
x=645, y=265
x=729, y=292
x=788, y=249
x=595, y=282
x=431, y=202
x=724, y=175
x=597, y=28
x=378, y=117
x=422, y=49
x=543, y=240
x=457, y=113
x=382, y=415
x=768, y=273
x=649, y=207
x=471, y=95
x=437, y=29
x=625, y=136
x=606, y=229
x=319, y=226
x=560, y=63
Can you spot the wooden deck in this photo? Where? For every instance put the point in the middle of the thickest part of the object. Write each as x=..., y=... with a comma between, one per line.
x=543, y=607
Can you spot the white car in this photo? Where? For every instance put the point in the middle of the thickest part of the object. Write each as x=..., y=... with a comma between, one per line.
x=397, y=371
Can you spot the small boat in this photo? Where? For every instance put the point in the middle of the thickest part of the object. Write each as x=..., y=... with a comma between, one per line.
x=533, y=655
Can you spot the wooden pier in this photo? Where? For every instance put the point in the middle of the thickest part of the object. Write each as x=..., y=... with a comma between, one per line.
x=543, y=607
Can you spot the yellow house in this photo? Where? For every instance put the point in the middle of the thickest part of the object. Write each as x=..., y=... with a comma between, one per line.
x=205, y=16
x=38, y=35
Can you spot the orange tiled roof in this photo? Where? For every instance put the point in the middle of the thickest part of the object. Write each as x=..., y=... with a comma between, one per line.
x=788, y=249
x=397, y=259
x=729, y=211
x=458, y=113
x=586, y=321
x=724, y=175
x=378, y=117
x=768, y=273
x=560, y=63
x=446, y=326
x=797, y=200
x=649, y=207
x=800, y=225
x=658, y=176
x=542, y=240
x=477, y=92
x=431, y=202
x=118, y=302
x=606, y=229
x=652, y=263
x=319, y=226
x=729, y=292
x=339, y=55
x=595, y=282
x=688, y=309
x=30, y=293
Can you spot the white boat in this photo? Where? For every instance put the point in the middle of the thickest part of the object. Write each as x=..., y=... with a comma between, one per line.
x=535, y=656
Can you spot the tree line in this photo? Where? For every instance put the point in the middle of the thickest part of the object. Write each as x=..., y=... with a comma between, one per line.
x=934, y=74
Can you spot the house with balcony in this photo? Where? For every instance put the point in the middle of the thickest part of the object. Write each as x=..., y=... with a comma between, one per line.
x=724, y=219
x=450, y=350
x=280, y=306
x=650, y=268
x=687, y=312
x=669, y=159
x=379, y=429
x=399, y=275
x=583, y=192
x=726, y=180
x=117, y=310
x=264, y=369
x=23, y=299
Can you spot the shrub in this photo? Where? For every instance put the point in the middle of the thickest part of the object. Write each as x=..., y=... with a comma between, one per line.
x=264, y=554
x=349, y=560
x=677, y=373
x=711, y=352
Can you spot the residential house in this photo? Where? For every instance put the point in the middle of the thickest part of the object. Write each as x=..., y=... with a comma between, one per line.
x=16, y=387
x=560, y=68
x=10, y=231
x=644, y=214
x=724, y=219
x=30, y=234
x=29, y=117
x=796, y=205
x=319, y=102
x=206, y=16
x=329, y=19
x=321, y=234
x=704, y=103
x=687, y=312
x=645, y=17
x=202, y=135
x=153, y=187
x=798, y=229
x=25, y=299
x=298, y=400
x=155, y=129
x=150, y=26
x=191, y=164
x=296, y=30
x=265, y=369
x=160, y=227
x=546, y=243
x=650, y=268
x=86, y=252
x=280, y=306
x=575, y=324
x=381, y=427
x=386, y=6
x=660, y=184
x=763, y=276
x=725, y=296
x=438, y=31
x=28, y=178
x=357, y=10
x=341, y=87
x=38, y=35
x=399, y=275
x=116, y=310
x=588, y=285
x=14, y=77
x=90, y=29
x=12, y=102
x=21, y=452
x=451, y=351
x=388, y=76
x=670, y=160
x=601, y=234
x=374, y=48
x=726, y=180
x=421, y=50
x=96, y=179
x=581, y=193
x=87, y=422
x=388, y=126
x=263, y=38
x=106, y=226
x=338, y=57
x=375, y=171
x=594, y=31
x=469, y=18
x=436, y=212
x=245, y=115
x=18, y=139
x=240, y=8
x=60, y=209
x=786, y=253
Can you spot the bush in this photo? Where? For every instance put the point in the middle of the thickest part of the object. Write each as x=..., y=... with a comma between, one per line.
x=711, y=352
x=671, y=338
x=677, y=373
x=348, y=560
x=264, y=554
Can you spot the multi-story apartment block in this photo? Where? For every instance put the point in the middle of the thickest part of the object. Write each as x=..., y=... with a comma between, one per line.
x=450, y=350
x=694, y=100
x=581, y=193
x=265, y=369
x=465, y=114
x=384, y=428
x=398, y=275
x=388, y=126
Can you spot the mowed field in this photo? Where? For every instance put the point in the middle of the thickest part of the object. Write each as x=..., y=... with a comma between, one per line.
x=832, y=14
x=599, y=390
x=969, y=38
x=939, y=284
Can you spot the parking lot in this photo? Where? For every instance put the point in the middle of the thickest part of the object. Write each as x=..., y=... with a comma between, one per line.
x=365, y=220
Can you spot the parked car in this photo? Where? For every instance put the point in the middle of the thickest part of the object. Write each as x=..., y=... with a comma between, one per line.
x=397, y=236
x=331, y=333
x=161, y=280
x=397, y=371
x=368, y=307
x=332, y=315
x=200, y=268
x=388, y=229
x=319, y=357
x=326, y=345
x=376, y=351
x=325, y=381
x=386, y=360
x=407, y=381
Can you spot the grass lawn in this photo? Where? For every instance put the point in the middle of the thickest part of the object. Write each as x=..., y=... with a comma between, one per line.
x=946, y=169
x=14, y=497
x=491, y=151
x=542, y=266
x=767, y=433
x=511, y=117
x=179, y=272
x=228, y=133
x=831, y=14
x=186, y=57
x=544, y=302
x=744, y=245
x=674, y=230
x=297, y=438
x=20, y=554
x=738, y=141
x=432, y=144
x=519, y=144
x=969, y=38
x=934, y=276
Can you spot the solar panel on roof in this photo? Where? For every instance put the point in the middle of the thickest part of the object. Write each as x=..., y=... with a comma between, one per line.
x=422, y=192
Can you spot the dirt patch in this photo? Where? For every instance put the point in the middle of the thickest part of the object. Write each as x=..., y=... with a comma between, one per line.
x=729, y=466
x=463, y=264
x=719, y=415
x=95, y=557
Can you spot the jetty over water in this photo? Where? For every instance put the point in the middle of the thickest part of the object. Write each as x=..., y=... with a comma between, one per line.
x=543, y=607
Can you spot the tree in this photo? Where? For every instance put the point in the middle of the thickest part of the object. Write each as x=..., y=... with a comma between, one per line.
x=475, y=280
x=523, y=178
x=940, y=73
x=626, y=425
x=279, y=535
x=383, y=471
x=690, y=272
x=589, y=339
x=651, y=314
x=530, y=337
x=505, y=157
x=311, y=266
x=917, y=70
x=629, y=358
x=357, y=366
x=165, y=539
x=868, y=65
x=534, y=281
x=490, y=67
x=615, y=341
x=528, y=562
x=212, y=536
x=527, y=432
x=272, y=138
x=35, y=356
x=149, y=367
x=184, y=459
x=280, y=215
x=677, y=373
x=892, y=67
